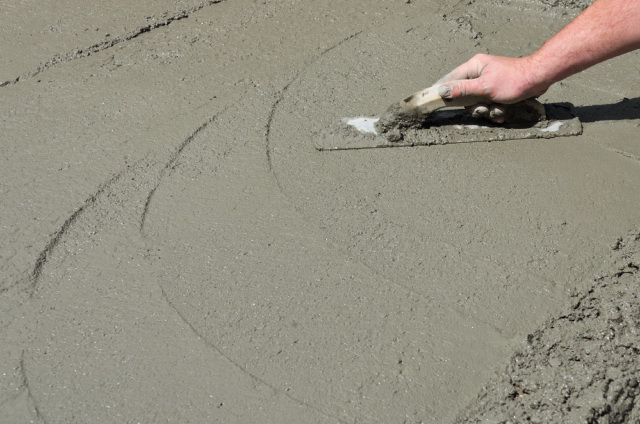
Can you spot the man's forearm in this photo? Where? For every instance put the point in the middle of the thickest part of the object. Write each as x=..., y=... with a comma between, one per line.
x=605, y=29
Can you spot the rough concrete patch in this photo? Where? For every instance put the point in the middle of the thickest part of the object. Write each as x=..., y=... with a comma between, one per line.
x=570, y=4
x=580, y=366
x=555, y=4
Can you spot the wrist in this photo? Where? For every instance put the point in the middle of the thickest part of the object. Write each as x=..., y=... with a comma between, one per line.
x=538, y=76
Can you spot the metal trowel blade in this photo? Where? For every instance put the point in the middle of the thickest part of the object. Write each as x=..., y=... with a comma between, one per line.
x=448, y=127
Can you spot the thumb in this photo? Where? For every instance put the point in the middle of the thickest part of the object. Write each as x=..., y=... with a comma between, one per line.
x=462, y=88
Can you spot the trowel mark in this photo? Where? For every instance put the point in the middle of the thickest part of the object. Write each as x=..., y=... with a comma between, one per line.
x=281, y=95
x=156, y=169
x=625, y=154
x=147, y=172
x=31, y=280
x=27, y=388
x=236, y=364
x=104, y=45
x=366, y=125
x=169, y=164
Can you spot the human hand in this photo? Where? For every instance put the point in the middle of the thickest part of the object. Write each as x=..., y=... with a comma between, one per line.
x=494, y=79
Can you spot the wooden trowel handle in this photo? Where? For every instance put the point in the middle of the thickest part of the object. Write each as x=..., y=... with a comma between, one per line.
x=429, y=100
x=411, y=111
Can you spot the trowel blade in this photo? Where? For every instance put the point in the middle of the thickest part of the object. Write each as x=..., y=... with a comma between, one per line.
x=448, y=127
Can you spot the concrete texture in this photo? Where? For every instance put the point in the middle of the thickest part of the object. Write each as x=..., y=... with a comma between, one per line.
x=174, y=249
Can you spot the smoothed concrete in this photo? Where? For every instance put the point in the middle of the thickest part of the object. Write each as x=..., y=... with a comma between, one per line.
x=174, y=248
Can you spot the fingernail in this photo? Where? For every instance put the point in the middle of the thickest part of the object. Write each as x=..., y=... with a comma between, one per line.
x=496, y=113
x=444, y=91
x=480, y=111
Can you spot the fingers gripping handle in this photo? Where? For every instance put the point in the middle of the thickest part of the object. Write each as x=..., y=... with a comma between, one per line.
x=429, y=100
x=411, y=111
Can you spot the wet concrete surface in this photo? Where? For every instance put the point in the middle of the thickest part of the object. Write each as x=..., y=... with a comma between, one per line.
x=174, y=248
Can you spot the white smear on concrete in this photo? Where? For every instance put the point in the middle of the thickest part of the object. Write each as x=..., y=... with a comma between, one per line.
x=553, y=127
x=363, y=124
x=469, y=127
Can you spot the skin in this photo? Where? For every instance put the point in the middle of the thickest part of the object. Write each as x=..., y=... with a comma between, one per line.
x=605, y=29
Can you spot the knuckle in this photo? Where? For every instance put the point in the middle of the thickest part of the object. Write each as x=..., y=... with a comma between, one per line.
x=487, y=91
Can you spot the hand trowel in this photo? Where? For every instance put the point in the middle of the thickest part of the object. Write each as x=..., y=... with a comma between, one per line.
x=419, y=120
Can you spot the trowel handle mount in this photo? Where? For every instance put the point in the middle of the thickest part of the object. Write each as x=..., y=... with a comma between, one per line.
x=429, y=100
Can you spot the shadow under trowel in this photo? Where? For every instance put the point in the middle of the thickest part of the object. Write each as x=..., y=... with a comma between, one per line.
x=626, y=109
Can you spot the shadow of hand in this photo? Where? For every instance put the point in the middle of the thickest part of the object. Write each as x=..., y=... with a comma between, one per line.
x=626, y=109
